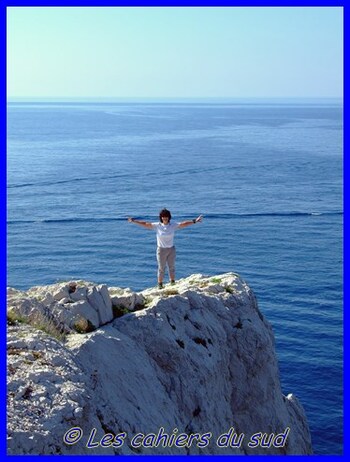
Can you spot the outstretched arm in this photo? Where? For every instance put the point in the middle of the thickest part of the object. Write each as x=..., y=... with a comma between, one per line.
x=144, y=224
x=184, y=224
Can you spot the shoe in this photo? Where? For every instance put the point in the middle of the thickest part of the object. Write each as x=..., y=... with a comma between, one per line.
x=172, y=282
x=160, y=285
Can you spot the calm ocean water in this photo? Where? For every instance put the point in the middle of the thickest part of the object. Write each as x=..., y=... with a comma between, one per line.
x=266, y=177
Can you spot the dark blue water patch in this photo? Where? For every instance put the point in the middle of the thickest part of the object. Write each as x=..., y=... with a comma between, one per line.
x=117, y=176
x=151, y=218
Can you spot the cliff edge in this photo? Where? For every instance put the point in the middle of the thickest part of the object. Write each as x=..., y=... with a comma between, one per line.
x=190, y=369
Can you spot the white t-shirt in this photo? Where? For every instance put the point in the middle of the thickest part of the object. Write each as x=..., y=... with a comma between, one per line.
x=165, y=233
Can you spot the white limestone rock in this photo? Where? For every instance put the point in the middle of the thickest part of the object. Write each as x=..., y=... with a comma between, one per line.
x=95, y=299
x=125, y=298
x=198, y=358
x=77, y=311
x=48, y=394
x=65, y=304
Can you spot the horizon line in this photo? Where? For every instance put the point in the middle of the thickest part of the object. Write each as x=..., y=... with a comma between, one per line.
x=162, y=98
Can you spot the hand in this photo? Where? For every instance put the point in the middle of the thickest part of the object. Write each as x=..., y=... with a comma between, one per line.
x=199, y=219
x=130, y=220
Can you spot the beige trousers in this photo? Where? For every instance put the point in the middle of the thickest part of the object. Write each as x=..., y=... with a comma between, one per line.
x=166, y=256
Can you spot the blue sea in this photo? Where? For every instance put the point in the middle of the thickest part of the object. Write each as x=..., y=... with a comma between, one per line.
x=266, y=175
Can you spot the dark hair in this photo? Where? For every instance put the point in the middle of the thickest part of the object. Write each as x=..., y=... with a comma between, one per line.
x=164, y=213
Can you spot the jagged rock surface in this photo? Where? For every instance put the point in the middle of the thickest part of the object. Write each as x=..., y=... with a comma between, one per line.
x=195, y=358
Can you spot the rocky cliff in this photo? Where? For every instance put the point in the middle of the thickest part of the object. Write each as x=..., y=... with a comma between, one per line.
x=190, y=369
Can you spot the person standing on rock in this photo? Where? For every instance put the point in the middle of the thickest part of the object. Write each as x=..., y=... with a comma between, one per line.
x=166, y=252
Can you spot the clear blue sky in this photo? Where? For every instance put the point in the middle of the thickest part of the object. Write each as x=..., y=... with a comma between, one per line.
x=175, y=52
